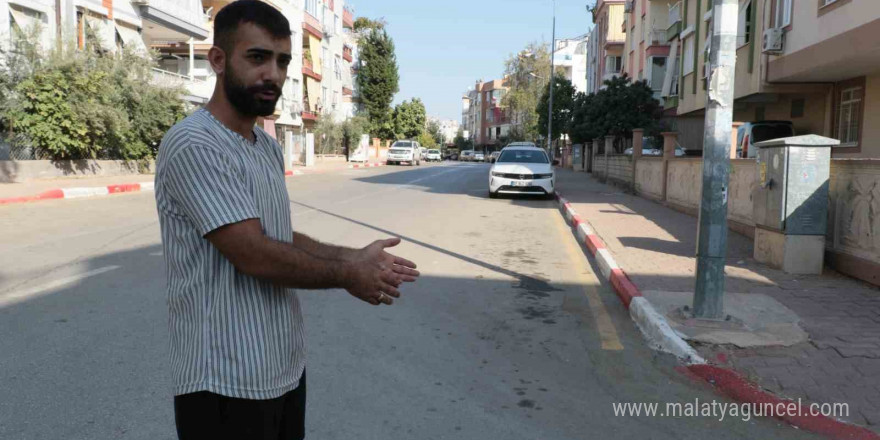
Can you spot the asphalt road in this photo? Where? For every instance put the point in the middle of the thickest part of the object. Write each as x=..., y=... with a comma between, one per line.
x=507, y=335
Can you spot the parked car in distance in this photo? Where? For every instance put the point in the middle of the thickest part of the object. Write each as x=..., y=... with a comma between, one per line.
x=423, y=153
x=750, y=133
x=404, y=151
x=521, y=144
x=650, y=148
x=478, y=156
x=466, y=156
x=494, y=156
x=433, y=156
x=522, y=170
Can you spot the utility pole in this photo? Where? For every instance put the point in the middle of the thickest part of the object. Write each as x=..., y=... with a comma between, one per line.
x=712, y=232
x=552, y=76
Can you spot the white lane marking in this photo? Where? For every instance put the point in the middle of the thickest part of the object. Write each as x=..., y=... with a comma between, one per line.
x=37, y=291
x=373, y=193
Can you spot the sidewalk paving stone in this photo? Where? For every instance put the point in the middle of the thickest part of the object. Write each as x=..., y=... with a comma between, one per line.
x=656, y=246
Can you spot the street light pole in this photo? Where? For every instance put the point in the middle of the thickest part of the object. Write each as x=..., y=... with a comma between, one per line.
x=712, y=232
x=552, y=76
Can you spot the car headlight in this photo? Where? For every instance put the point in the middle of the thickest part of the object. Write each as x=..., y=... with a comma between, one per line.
x=497, y=174
x=544, y=176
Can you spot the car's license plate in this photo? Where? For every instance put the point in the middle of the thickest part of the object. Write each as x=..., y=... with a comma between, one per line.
x=520, y=183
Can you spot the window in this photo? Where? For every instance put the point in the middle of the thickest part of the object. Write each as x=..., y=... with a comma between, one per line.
x=849, y=115
x=613, y=64
x=323, y=96
x=523, y=156
x=312, y=7
x=688, y=54
x=325, y=58
x=658, y=72
x=335, y=99
x=783, y=13
x=337, y=67
x=744, y=24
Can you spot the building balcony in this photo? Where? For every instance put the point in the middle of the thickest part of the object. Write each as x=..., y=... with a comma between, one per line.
x=346, y=53
x=197, y=91
x=312, y=26
x=347, y=91
x=347, y=19
x=674, y=22
x=309, y=116
x=308, y=70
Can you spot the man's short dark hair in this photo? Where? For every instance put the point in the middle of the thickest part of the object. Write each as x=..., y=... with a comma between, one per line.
x=248, y=11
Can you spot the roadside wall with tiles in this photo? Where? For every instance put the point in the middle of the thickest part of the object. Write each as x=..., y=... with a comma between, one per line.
x=853, y=237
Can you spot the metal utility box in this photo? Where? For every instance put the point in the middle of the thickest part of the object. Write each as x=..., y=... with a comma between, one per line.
x=791, y=202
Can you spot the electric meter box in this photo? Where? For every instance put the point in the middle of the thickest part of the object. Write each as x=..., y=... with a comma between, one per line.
x=791, y=202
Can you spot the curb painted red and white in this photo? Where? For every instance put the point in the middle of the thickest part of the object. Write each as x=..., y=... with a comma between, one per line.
x=662, y=337
x=366, y=165
x=80, y=192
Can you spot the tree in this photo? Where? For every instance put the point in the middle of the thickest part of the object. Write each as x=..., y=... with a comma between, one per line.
x=77, y=104
x=409, y=119
x=461, y=143
x=615, y=110
x=563, y=106
x=367, y=24
x=426, y=140
x=435, y=132
x=377, y=80
x=526, y=74
x=328, y=136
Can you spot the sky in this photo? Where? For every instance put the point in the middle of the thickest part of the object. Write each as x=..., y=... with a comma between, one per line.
x=444, y=46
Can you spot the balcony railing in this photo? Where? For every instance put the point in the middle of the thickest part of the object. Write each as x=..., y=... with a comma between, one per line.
x=312, y=26
x=308, y=69
x=195, y=87
x=346, y=53
x=674, y=22
x=658, y=37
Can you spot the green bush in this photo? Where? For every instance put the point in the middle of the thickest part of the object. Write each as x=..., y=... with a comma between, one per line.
x=78, y=104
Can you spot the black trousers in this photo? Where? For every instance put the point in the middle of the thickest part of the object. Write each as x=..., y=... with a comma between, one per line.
x=209, y=416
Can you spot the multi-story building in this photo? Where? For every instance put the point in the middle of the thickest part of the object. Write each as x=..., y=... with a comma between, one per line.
x=320, y=81
x=605, y=53
x=470, y=109
x=116, y=24
x=647, y=49
x=570, y=60
x=814, y=65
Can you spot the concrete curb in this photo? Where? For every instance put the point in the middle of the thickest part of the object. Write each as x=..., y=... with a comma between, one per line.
x=662, y=337
x=366, y=165
x=80, y=192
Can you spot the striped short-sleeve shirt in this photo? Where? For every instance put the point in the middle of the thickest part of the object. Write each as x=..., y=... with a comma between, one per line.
x=230, y=333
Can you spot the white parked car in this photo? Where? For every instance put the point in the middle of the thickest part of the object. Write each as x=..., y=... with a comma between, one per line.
x=466, y=156
x=522, y=170
x=404, y=151
x=433, y=155
x=478, y=156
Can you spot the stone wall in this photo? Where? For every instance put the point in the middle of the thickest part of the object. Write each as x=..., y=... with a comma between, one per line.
x=13, y=171
x=683, y=183
x=649, y=178
x=619, y=169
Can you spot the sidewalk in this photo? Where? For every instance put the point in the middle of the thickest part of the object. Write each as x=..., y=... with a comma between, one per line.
x=39, y=186
x=655, y=245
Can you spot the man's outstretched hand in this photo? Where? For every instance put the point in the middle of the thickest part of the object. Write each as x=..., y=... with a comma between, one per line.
x=377, y=274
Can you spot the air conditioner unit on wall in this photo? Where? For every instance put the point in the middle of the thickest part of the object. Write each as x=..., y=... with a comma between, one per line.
x=773, y=41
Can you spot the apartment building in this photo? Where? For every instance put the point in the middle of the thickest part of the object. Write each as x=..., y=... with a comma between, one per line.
x=321, y=77
x=570, y=60
x=647, y=48
x=483, y=116
x=117, y=24
x=448, y=129
x=812, y=62
x=606, y=48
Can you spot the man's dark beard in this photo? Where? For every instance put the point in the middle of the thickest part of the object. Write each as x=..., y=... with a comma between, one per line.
x=245, y=99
